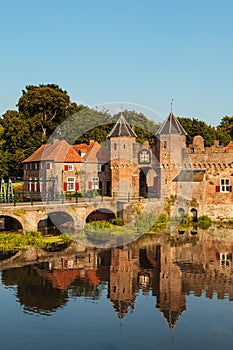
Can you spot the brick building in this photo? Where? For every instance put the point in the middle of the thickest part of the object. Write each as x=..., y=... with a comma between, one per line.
x=198, y=178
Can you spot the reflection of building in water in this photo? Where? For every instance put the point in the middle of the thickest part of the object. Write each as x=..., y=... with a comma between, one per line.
x=169, y=269
x=123, y=279
x=170, y=299
x=87, y=266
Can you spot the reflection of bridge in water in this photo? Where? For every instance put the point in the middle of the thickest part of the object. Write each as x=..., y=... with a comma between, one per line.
x=168, y=266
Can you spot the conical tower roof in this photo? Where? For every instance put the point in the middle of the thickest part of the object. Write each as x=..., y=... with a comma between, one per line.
x=122, y=128
x=171, y=126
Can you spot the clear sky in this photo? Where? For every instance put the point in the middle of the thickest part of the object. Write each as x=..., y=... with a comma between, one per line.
x=144, y=52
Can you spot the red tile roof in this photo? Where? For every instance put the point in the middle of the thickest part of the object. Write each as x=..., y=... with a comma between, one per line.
x=82, y=147
x=230, y=144
x=62, y=279
x=59, y=151
x=96, y=153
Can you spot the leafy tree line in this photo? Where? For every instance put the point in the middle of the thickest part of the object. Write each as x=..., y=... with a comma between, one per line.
x=209, y=133
x=46, y=110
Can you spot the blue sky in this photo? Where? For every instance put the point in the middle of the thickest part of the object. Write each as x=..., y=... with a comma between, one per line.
x=142, y=52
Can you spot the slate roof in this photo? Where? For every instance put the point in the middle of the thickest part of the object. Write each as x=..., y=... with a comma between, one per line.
x=171, y=126
x=190, y=175
x=122, y=128
x=59, y=151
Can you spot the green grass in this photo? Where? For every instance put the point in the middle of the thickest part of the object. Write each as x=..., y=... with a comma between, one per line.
x=18, y=241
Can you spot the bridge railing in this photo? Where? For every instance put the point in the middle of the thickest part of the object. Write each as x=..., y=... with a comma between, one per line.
x=72, y=197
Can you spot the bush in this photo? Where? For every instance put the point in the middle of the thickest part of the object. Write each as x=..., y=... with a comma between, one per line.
x=117, y=221
x=186, y=220
x=204, y=221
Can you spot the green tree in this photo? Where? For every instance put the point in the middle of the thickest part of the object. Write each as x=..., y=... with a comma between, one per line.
x=21, y=139
x=209, y=133
x=3, y=155
x=47, y=105
x=226, y=126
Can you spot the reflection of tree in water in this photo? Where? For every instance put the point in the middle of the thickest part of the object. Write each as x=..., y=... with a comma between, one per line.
x=33, y=292
x=37, y=293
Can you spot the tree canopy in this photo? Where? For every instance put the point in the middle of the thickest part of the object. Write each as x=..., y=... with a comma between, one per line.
x=209, y=133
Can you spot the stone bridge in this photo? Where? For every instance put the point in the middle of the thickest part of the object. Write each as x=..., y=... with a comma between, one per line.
x=74, y=215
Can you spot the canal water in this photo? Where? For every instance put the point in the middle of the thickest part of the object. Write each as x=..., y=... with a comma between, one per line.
x=160, y=292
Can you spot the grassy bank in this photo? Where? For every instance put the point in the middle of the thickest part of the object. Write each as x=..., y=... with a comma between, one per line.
x=17, y=241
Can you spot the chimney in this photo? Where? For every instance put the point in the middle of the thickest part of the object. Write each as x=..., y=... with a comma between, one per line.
x=91, y=141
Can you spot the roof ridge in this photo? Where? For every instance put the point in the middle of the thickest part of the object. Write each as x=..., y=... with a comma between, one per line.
x=171, y=122
x=120, y=126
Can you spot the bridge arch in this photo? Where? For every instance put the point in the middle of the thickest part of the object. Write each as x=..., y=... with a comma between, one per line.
x=56, y=222
x=10, y=223
x=101, y=214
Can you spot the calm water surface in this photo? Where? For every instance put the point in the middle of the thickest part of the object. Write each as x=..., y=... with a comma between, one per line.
x=162, y=292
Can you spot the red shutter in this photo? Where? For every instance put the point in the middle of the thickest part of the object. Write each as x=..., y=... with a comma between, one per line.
x=230, y=188
x=66, y=167
x=154, y=184
x=217, y=188
x=48, y=165
x=90, y=185
x=76, y=186
x=217, y=256
x=65, y=186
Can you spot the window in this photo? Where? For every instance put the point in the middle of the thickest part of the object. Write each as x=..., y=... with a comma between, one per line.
x=165, y=144
x=70, y=167
x=49, y=165
x=30, y=184
x=95, y=183
x=70, y=183
x=144, y=156
x=225, y=185
x=225, y=259
x=115, y=146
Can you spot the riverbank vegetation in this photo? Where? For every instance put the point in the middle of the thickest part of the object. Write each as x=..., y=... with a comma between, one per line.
x=31, y=239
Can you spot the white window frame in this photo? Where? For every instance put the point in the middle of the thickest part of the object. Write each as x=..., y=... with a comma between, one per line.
x=225, y=185
x=225, y=259
x=70, y=167
x=30, y=184
x=70, y=184
x=95, y=182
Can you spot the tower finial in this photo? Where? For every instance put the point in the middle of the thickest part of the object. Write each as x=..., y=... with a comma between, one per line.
x=172, y=103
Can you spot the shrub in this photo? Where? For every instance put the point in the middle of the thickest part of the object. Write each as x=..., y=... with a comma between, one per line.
x=117, y=221
x=204, y=221
x=186, y=220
